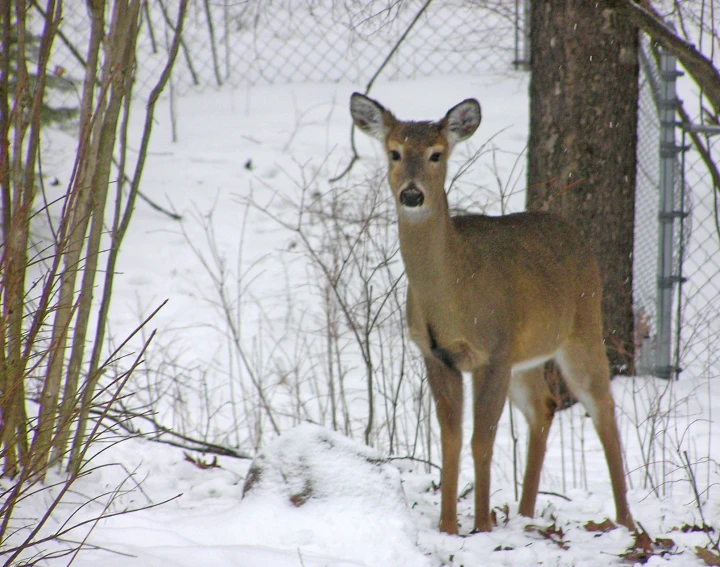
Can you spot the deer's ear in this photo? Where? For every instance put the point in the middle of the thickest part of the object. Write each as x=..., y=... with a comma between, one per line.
x=461, y=121
x=370, y=116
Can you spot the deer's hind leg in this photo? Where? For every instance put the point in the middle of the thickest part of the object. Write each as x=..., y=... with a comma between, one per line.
x=584, y=366
x=446, y=384
x=531, y=395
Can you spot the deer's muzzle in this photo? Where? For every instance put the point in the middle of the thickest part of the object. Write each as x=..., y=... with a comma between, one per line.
x=411, y=197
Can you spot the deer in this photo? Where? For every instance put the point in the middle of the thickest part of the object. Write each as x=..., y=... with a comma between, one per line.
x=496, y=297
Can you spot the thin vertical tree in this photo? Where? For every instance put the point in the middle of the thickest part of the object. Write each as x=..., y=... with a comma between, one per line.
x=44, y=327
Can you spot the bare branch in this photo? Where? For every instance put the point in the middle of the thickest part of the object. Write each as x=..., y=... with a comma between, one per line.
x=700, y=68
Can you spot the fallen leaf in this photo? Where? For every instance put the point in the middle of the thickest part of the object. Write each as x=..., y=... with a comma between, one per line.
x=642, y=550
x=687, y=528
x=552, y=533
x=643, y=541
x=604, y=526
x=709, y=556
x=665, y=543
x=636, y=556
x=644, y=547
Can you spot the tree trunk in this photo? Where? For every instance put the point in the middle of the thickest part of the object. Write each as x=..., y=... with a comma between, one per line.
x=583, y=134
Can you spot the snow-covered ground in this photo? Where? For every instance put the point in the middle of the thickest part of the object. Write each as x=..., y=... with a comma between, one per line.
x=267, y=142
x=355, y=521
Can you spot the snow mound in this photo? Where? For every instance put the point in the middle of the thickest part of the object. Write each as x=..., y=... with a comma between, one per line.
x=315, y=490
x=311, y=462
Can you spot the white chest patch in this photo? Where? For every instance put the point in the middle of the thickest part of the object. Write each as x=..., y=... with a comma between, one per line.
x=413, y=215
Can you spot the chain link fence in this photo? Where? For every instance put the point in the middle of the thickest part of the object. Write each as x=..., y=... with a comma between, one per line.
x=698, y=328
x=283, y=41
x=645, y=259
x=692, y=275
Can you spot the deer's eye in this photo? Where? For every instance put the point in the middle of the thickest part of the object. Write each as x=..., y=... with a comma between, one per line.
x=394, y=155
x=435, y=156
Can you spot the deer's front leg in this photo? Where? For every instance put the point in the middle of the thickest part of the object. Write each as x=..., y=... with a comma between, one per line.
x=490, y=386
x=447, y=390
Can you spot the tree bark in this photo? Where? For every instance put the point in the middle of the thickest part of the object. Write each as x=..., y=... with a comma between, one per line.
x=583, y=134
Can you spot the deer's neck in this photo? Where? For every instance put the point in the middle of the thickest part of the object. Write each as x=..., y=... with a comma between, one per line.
x=431, y=251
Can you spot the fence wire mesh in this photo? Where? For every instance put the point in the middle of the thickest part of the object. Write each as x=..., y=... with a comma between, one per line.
x=284, y=41
x=699, y=321
x=696, y=240
x=645, y=256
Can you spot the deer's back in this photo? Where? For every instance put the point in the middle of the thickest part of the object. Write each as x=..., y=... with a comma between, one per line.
x=531, y=243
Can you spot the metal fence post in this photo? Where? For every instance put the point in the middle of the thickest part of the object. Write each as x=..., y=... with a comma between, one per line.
x=522, y=35
x=666, y=279
x=527, y=54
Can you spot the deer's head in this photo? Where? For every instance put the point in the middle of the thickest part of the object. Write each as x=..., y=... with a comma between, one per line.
x=417, y=151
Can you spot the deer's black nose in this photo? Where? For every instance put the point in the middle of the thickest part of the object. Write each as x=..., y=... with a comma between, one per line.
x=411, y=196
